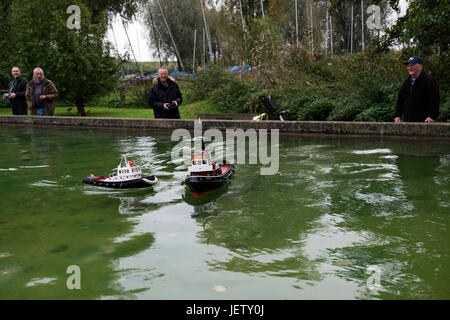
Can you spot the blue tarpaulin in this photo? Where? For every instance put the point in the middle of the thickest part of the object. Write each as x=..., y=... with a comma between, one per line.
x=243, y=68
x=181, y=74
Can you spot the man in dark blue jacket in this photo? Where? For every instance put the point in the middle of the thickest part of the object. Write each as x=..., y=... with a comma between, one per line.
x=418, y=98
x=16, y=92
x=165, y=96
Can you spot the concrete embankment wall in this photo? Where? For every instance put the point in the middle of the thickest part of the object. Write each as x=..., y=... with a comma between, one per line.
x=439, y=129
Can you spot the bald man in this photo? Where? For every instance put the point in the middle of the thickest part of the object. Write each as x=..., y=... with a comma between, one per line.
x=16, y=92
x=165, y=96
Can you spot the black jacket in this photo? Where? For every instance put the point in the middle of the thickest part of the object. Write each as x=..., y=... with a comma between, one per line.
x=19, y=103
x=160, y=94
x=419, y=101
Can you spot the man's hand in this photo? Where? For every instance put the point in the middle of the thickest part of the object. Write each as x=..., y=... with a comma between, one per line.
x=397, y=119
x=12, y=95
x=176, y=103
x=43, y=97
x=166, y=106
x=428, y=119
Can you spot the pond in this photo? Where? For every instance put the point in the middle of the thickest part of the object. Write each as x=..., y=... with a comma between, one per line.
x=344, y=218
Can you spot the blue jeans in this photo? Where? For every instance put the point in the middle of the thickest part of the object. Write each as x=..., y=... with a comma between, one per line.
x=40, y=112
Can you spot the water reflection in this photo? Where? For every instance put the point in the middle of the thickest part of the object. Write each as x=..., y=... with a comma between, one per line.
x=204, y=204
x=379, y=217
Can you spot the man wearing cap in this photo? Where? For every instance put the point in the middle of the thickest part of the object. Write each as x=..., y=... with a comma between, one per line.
x=418, y=98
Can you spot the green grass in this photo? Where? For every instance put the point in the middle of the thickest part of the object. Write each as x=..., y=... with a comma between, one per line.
x=186, y=111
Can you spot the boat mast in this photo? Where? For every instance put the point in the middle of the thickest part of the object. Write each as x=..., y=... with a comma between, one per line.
x=208, y=36
x=131, y=47
x=170, y=34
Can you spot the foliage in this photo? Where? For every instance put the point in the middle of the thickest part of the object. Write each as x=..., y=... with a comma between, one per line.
x=250, y=8
x=444, y=111
x=238, y=96
x=229, y=93
x=126, y=8
x=5, y=44
x=359, y=87
x=4, y=103
x=178, y=14
x=206, y=82
x=380, y=112
x=139, y=94
x=114, y=103
x=263, y=42
x=345, y=109
x=425, y=25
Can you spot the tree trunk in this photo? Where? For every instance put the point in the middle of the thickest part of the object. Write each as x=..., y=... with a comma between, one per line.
x=80, y=108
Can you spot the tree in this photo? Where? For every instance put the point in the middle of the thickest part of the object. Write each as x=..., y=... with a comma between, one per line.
x=183, y=17
x=79, y=62
x=340, y=10
x=126, y=8
x=5, y=44
x=251, y=9
x=425, y=25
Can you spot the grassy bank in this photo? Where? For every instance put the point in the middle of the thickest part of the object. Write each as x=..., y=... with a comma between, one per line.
x=358, y=87
x=187, y=111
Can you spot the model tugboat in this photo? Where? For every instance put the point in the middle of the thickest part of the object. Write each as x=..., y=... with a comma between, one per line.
x=205, y=175
x=126, y=176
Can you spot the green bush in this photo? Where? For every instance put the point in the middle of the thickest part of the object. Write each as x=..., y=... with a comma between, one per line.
x=139, y=95
x=345, y=110
x=4, y=103
x=238, y=96
x=114, y=103
x=206, y=82
x=379, y=113
x=317, y=110
x=444, y=111
x=321, y=69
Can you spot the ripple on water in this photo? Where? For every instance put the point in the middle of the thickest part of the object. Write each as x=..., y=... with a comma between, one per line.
x=45, y=184
x=4, y=254
x=372, y=151
x=35, y=167
x=38, y=281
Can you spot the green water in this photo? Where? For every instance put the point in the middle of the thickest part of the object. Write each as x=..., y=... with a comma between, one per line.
x=336, y=207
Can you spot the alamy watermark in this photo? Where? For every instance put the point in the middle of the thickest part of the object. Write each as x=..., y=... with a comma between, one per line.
x=374, y=20
x=374, y=281
x=74, y=20
x=74, y=281
x=232, y=148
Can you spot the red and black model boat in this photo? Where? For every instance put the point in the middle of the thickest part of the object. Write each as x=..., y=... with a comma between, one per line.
x=127, y=176
x=205, y=175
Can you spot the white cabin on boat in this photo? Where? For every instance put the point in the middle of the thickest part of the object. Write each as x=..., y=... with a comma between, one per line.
x=125, y=171
x=201, y=164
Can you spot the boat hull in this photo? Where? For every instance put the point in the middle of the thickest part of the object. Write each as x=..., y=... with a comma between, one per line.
x=129, y=184
x=199, y=184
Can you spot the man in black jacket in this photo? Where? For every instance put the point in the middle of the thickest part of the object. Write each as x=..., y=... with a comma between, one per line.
x=16, y=92
x=165, y=96
x=418, y=98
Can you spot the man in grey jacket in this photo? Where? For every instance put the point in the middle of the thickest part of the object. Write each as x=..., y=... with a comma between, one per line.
x=40, y=94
